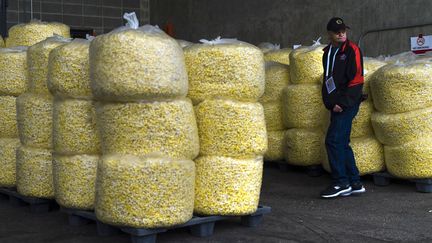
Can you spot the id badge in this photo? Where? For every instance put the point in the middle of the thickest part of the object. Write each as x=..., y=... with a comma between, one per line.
x=330, y=84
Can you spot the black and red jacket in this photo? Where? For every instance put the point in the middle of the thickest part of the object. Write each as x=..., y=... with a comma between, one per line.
x=347, y=75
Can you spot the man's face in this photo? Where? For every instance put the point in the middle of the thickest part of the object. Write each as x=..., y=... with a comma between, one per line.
x=338, y=37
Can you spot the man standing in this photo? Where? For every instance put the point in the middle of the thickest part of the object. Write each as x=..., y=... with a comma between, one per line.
x=342, y=94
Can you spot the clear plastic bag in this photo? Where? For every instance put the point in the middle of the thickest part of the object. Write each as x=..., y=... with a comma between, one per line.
x=13, y=69
x=130, y=64
x=303, y=146
x=303, y=107
x=74, y=127
x=411, y=160
x=276, y=79
x=371, y=65
x=225, y=68
x=400, y=58
x=184, y=43
x=144, y=192
x=368, y=153
x=28, y=34
x=34, y=118
x=69, y=70
x=34, y=172
x=165, y=128
x=276, y=146
x=402, y=87
x=8, y=121
x=273, y=115
x=267, y=46
x=280, y=56
x=38, y=62
x=75, y=180
x=231, y=128
x=306, y=64
x=401, y=128
x=227, y=186
x=8, y=148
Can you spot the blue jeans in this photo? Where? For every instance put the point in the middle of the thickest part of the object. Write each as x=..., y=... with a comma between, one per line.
x=339, y=152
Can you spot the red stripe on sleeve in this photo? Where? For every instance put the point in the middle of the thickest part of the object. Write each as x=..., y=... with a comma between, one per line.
x=358, y=79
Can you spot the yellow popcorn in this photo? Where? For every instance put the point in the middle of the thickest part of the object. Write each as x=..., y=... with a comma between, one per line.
x=8, y=148
x=184, y=43
x=408, y=56
x=75, y=180
x=13, y=69
x=231, y=128
x=8, y=119
x=404, y=87
x=370, y=66
x=31, y=33
x=74, y=127
x=396, y=129
x=273, y=116
x=68, y=72
x=411, y=160
x=34, y=117
x=231, y=70
x=62, y=28
x=2, y=42
x=306, y=65
x=34, y=177
x=137, y=64
x=362, y=125
x=276, y=145
x=281, y=56
x=303, y=106
x=38, y=62
x=266, y=47
x=368, y=153
x=303, y=147
x=144, y=192
x=165, y=128
x=227, y=186
x=276, y=79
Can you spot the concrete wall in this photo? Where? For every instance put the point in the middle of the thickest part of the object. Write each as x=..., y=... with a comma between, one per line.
x=295, y=21
x=101, y=15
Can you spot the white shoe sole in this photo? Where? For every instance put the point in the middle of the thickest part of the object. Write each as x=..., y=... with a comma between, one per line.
x=348, y=190
x=354, y=192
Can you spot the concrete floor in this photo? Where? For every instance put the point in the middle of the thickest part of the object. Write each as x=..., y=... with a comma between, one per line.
x=393, y=213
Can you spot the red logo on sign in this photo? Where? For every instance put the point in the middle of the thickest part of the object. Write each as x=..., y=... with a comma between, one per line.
x=420, y=41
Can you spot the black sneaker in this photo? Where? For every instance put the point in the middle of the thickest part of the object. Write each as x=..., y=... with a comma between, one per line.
x=335, y=190
x=357, y=188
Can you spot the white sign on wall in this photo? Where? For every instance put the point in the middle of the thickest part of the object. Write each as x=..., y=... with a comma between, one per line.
x=421, y=44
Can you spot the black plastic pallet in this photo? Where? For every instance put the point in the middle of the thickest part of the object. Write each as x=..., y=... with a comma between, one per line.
x=37, y=205
x=312, y=170
x=200, y=226
x=384, y=179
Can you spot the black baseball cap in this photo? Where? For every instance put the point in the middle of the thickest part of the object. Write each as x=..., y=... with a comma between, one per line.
x=336, y=24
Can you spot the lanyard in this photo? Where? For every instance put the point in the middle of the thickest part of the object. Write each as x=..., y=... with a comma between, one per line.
x=328, y=61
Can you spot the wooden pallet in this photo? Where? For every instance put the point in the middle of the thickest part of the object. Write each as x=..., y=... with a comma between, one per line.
x=37, y=205
x=384, y=179
x=200, y=226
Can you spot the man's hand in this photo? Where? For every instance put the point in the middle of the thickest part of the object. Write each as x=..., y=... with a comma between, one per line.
x=337, y=108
